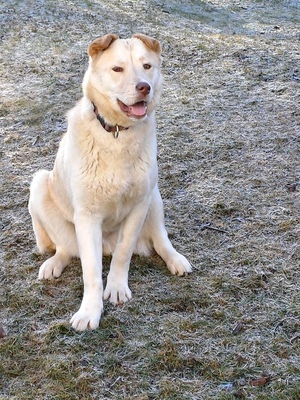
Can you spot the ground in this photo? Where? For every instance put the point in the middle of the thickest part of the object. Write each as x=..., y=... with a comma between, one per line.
x=228, y=136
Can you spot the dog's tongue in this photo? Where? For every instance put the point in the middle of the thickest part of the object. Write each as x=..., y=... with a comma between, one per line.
x=138, y=109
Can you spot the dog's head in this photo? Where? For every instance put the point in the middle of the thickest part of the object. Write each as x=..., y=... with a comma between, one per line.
x=124, y=79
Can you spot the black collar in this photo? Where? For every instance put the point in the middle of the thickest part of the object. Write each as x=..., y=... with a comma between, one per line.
x=115, y=129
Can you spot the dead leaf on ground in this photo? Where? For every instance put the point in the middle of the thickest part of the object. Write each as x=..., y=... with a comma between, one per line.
x=260, y=381
x=2, y=332
x=291, y=187
x=49, y=292
x=238, y=328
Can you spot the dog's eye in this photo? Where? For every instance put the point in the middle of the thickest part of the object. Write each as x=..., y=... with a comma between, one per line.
x=117, y=69
x=147, y=66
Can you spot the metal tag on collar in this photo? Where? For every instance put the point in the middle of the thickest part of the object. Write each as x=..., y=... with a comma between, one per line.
x=116, y=132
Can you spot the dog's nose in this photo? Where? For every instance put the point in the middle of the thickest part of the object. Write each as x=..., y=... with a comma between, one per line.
x=144, y=88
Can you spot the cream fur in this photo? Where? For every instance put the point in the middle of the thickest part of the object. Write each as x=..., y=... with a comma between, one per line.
x=102, y=194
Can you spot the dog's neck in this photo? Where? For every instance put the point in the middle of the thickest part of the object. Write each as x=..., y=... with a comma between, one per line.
x=115, y=129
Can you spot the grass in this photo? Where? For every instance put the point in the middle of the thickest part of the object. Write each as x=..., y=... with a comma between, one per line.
x=228, y=155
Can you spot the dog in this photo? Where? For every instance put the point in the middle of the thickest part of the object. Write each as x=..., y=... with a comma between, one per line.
x=102, y=195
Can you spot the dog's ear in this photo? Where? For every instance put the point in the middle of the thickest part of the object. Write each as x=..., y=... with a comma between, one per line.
x=101, y=44
x=151, y=43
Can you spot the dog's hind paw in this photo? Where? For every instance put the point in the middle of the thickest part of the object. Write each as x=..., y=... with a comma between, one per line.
x=52, y=268
x=179, y=265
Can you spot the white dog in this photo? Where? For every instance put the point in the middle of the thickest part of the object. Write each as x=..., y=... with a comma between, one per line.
x=102, y=194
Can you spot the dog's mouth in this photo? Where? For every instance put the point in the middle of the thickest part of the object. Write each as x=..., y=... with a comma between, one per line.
x=137, y=110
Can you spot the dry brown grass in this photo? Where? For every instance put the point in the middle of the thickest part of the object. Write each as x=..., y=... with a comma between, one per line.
x=228, y=155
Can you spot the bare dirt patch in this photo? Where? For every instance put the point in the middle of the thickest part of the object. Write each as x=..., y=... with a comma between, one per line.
x=229, y=159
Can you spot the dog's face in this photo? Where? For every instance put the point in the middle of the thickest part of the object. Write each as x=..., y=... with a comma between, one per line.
x=124, y=78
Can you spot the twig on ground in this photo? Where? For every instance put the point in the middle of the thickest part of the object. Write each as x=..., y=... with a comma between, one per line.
x=208, y=225
x=296, y=337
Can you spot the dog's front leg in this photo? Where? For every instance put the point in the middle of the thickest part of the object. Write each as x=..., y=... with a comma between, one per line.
x=117, y=290
x=89, y=238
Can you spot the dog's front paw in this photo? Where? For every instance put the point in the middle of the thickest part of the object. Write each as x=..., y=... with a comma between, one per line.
x=117, y=292
x=179, y=265
x=86, y=318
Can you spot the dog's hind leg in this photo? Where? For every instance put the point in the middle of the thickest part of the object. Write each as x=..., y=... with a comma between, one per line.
x=43, y=241
x=154, y=231
x=53, y=232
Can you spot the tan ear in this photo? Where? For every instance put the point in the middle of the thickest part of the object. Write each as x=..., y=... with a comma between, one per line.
x=151, y=43
x=101, y=44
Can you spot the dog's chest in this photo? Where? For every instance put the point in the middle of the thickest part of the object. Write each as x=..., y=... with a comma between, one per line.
x=117, y=179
